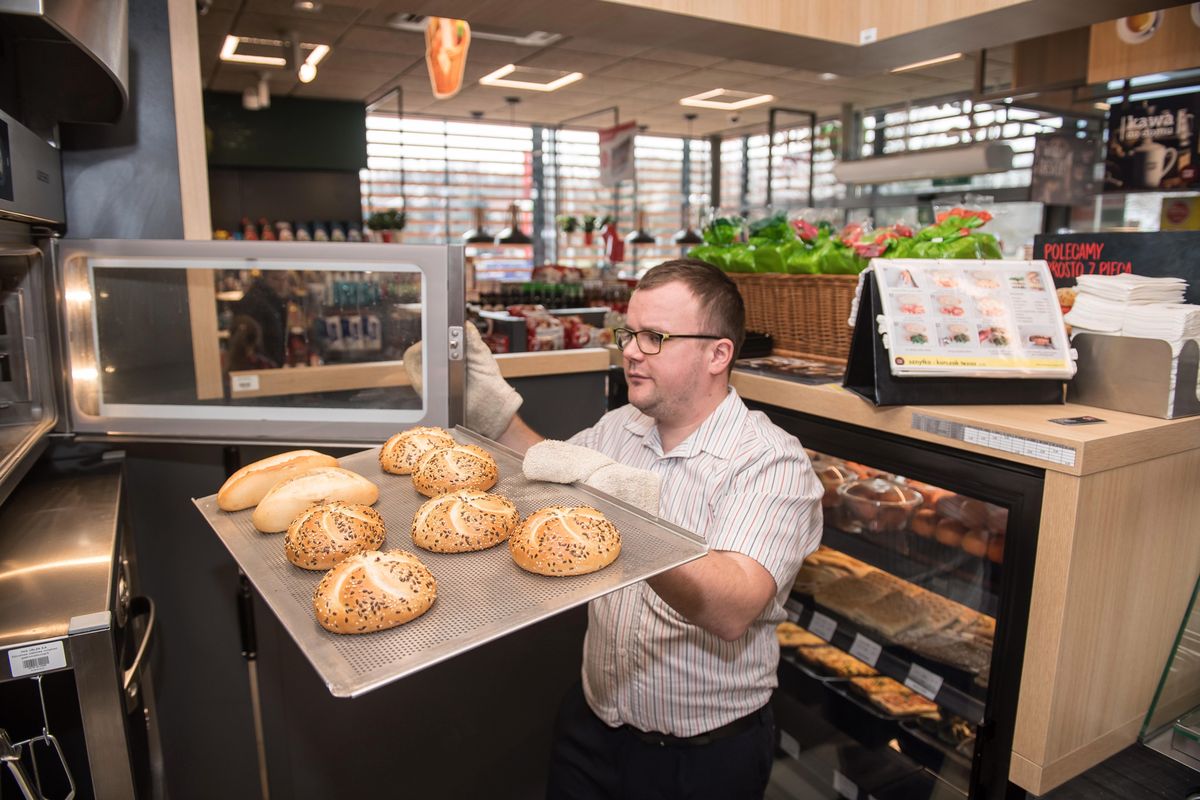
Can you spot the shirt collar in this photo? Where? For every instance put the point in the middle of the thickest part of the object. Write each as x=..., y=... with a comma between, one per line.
x=718, y=434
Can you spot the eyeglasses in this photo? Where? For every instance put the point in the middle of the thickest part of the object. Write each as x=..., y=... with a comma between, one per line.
x=650, y=342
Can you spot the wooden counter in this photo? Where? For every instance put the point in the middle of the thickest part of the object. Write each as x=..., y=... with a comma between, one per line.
x=553, y=362
x=1117, y=557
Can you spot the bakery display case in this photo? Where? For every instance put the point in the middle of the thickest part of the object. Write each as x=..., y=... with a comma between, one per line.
x=901, y=656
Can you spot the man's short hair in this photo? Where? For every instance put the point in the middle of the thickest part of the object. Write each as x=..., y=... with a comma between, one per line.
x=725, y=313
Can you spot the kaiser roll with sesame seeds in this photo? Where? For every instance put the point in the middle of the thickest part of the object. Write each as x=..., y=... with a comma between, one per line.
x=373, y=591
x=399, y=454
x=325, y=534
x=463, y=466
x=562, y=540
x=464, y=520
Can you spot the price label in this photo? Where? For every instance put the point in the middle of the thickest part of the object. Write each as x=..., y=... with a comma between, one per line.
x=789, y=745
x=844, y=786
x=865, y=650
x=36, y=658
x=822, y=626
x=243, y=383
x=923, y=682
x=794, y=609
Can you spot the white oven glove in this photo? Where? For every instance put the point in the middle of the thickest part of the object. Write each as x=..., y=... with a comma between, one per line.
x=559, y=462
x=491, y=401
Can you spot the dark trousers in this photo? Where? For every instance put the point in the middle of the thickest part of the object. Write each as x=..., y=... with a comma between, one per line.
x=591, y=761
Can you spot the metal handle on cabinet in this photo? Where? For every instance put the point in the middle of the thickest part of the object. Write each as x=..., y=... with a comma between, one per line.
x=10, y=756
x=137, y=606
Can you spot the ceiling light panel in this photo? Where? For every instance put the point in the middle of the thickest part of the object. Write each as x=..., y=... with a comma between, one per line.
x=726, y=99
x=533, y=79
x=249, y=50
x=929, y=62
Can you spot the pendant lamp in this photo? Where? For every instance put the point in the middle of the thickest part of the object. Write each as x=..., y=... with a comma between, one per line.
x=513, y=233
x=639, y=236
x=688, y=235
x=479, y=234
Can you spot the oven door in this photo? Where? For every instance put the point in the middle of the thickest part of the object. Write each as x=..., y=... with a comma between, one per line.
x=259, y=342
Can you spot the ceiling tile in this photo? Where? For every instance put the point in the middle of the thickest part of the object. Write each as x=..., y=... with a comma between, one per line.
x=751, y=67
x=383, y=40
x=640, y=69
x=215, y=23
x=573, y=60
x=330, y=12
x=351, y=58
x=588, y=45
x=683, y=57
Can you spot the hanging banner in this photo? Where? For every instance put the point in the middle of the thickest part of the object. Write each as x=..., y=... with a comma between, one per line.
x=1152, y=145
x=446, y=44
x=1063, y=170
x=616, y=154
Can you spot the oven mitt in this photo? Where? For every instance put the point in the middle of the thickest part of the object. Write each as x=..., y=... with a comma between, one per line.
x=491, y=401
x=559, y=462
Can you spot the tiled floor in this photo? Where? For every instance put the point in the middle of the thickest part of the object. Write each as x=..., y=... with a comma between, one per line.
x=1135, y=773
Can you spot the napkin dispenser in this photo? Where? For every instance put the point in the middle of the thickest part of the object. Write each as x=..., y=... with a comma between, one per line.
x=1126, y=373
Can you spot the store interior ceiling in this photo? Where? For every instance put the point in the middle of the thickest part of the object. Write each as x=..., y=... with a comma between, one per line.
x=641, y=62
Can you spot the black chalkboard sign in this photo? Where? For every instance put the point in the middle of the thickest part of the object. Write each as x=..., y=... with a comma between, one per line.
x=1063, y=167
x=1173, y=254
x=293, y=133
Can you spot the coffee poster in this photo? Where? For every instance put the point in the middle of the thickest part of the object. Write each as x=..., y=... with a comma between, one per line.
x=1152, y=145
x=1063, y=170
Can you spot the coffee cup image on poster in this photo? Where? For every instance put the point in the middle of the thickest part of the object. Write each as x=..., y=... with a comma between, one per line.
x=1152, y=145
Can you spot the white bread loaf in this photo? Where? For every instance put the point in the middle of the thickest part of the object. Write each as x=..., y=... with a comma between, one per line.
x=463, y=466
x=562, y=540
x=323, y=535
x=399, y=454
x=289, y=497
x=464, y=520
x=250, y=484
x=373, y=591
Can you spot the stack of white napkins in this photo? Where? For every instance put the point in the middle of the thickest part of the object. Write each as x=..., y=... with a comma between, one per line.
x=1138, y=306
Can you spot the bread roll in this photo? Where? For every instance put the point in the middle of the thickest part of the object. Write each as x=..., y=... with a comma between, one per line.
x=975, y=542
x=463, y=466
x=950, y=532
x=373, y=591
x=291, y=496
x=562, y=540
x=464, y=520
x=323, y=535
x=995, y=551
x=399, y=454
x=924, y=522
x=250, y=484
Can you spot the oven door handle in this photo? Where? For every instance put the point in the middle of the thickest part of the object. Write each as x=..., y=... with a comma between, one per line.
x=137, y=606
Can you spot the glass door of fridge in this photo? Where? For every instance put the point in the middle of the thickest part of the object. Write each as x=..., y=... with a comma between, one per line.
x=901, y=656
x=259, y=341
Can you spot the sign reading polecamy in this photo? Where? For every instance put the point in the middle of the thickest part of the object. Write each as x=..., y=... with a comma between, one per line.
x=616, y=154
x=1152, y=144
x=1161, y=254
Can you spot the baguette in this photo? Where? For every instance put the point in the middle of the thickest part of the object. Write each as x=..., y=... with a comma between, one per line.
x=290, y=497
x=250, y=484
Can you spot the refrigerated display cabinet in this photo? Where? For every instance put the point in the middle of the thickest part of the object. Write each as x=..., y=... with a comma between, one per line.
x=1077, y=541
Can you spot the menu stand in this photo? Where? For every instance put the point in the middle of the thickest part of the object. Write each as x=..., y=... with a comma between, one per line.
x=868, y=373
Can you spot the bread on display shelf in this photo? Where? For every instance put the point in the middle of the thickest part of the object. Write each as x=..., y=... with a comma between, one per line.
x=399, y=454
x=290, y=497
x=250, y=484
x=565, y=540
x=464, y=520
x=325, y=534
x=463, y=466
x=374, y=591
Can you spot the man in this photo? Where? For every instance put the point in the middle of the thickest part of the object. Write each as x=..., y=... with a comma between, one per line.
x=678, y=670
x=266, y=302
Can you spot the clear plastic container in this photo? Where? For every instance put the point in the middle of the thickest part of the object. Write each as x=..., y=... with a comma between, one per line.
x=876, y=505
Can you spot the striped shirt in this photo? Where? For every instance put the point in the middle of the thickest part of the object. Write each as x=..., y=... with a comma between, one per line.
x=744, y=485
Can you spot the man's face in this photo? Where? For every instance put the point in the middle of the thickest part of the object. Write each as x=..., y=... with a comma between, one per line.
x=664, y=385
x=277, y=280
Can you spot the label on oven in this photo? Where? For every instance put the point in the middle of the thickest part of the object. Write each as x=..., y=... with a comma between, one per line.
x=37, y=658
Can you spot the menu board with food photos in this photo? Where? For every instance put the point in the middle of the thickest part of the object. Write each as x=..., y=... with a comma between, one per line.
x=972, y=318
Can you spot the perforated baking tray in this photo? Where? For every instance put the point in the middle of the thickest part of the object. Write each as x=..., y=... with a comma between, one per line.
x=481, y=596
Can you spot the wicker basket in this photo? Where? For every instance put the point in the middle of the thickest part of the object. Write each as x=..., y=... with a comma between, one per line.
x=803, y=313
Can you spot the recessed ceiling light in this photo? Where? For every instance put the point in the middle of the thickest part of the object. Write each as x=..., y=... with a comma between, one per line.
x=929, y=62
x=726, y=99
x=229, y=51
x=531, y=78
x=828, y=76
x=306, y=5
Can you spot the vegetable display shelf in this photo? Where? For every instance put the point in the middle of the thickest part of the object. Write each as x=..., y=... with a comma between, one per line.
x=937, y=682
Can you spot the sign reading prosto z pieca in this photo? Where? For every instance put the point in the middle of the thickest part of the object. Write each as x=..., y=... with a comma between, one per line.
x=1152, y=145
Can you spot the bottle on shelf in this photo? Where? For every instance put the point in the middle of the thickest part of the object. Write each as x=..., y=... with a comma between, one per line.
x=319, y=232
x=302, y=233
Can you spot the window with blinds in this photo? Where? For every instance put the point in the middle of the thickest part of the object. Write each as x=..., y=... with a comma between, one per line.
x=439, y=172
x=744, y=169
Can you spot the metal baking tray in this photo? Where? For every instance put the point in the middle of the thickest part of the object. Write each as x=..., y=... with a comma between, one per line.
x=481, y=596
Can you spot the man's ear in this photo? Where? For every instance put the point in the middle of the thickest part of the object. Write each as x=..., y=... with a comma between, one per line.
x=722, y=355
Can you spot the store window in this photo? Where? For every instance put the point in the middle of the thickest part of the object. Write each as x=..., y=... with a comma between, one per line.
x=439, y=172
